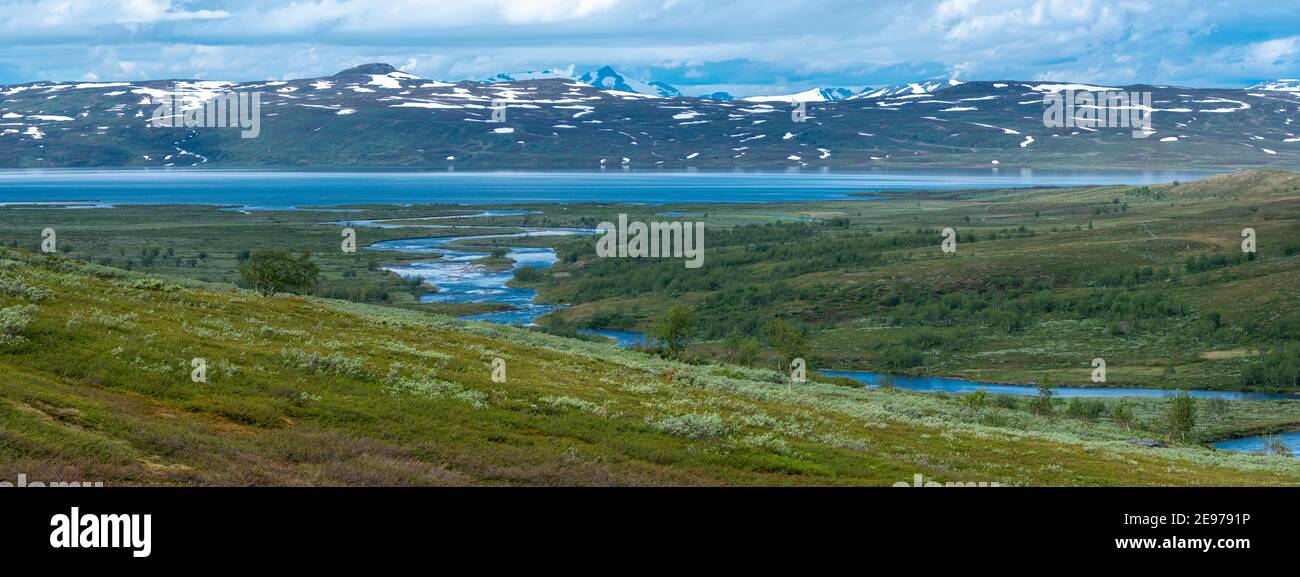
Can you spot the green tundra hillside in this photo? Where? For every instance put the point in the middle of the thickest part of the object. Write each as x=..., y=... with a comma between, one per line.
x=96, y=384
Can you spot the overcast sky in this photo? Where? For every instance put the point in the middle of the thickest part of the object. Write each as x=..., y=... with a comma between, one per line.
x=746, y=47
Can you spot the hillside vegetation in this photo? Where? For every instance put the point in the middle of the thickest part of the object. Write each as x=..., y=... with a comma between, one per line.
x=95, y=384
x=1151, y=278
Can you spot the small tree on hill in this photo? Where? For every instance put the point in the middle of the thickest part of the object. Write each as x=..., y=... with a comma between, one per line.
x=271, y=271
x=1042, y=402
x=976, y=400
x=787, y=340
x=675, y=329
x=1180, y=414
x=1123, y=415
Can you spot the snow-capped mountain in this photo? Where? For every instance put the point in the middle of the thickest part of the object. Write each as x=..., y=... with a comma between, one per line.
x=720, y=95
x=810, y=95
x=1279, y=85
x=370, y=77
x=376, y=115
x=610, y=79
x=367, y=69
x=829, y=94
x=561, y=73
x=925, y=87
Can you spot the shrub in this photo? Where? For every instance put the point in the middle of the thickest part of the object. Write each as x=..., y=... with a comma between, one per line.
x=692, y=425
x=528, y=275
x=432, y=388
x=787, y=340
x=150, y=284
x=1122, y=414
x=1087, y=409
x=271, y=271
x=335, y=363
x=838, y=381
x=123, y=322
x=899, y=357
x=1180, y=415
x=1276, y=367
x=575, y=403
x=1041, y=404
x=976, y=400
x=441, y=357
x=675, y=329
x=13, y=322
x=14, y=286
x=1274, y=445
x=268, y=331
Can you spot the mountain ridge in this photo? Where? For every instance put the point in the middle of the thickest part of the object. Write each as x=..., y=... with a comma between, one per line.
x=374, y=115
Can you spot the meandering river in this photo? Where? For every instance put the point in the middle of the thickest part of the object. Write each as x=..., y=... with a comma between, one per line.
x=958, y=386
x=462, y=280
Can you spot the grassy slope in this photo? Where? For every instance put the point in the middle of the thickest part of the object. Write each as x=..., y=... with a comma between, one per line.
x=328, y=392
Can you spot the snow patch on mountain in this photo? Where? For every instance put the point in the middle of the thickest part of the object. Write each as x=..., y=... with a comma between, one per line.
x=392, y=80
x=925, y=87
x=609, y=79
x=810, y=95
x=1279, y=85
x=547, y=74
x=425, y=104
x=1054, y=88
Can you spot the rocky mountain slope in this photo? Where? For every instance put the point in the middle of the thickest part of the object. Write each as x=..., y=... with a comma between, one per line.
x=376, y=116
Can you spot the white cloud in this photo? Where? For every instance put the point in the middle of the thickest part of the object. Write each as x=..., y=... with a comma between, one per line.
x=37, y=17
x=786, y=45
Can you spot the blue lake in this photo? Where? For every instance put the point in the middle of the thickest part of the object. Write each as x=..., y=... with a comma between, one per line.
x=1256, y=444
x=269, y=189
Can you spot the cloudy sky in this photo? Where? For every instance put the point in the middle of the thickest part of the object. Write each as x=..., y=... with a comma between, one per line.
x=746, y=47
